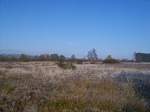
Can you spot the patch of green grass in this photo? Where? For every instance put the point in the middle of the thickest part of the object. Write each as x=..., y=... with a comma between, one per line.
x=7, y=88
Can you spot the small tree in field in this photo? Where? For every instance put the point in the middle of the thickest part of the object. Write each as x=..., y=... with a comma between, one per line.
x=92, y=56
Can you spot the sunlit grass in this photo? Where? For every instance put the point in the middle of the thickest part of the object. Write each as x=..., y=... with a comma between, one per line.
x=83, y=91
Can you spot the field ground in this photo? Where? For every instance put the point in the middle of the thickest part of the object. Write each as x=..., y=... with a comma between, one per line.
x=44, y=87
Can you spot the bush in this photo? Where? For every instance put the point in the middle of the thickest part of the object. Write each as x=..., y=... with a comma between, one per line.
x=79, y=61
x=66, y=65
x=24, y=57
x=110, y=60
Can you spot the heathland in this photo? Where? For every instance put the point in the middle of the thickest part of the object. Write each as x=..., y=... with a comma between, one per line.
x=46, y=87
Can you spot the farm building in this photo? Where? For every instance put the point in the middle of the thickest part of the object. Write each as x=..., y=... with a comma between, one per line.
x=142, y=57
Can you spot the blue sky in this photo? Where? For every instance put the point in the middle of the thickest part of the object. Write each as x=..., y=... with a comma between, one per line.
x=117, y=27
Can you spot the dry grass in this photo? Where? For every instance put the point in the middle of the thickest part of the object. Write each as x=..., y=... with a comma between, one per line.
x=44, y=87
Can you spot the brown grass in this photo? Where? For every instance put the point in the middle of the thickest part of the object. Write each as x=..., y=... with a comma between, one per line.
x=33, y=87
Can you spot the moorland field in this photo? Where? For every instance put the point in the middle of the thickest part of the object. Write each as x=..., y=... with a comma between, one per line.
x=45, y=87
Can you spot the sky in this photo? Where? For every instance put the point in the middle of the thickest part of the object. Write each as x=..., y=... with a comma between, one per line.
x=116, y=27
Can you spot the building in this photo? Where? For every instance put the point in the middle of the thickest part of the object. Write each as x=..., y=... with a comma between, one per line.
x=142, y=57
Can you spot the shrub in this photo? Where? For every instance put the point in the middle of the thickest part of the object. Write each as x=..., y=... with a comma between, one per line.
x=110, y=60
x=24, y=57
x=66, y=65
x=79, y=61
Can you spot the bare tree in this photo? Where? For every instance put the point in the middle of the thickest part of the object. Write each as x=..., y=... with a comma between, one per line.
x=92, y=55
x=73, y=58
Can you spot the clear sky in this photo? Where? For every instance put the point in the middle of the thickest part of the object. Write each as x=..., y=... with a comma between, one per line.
x=117, y=27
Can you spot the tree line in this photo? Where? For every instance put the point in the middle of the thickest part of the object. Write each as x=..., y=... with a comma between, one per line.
x=91, y=57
